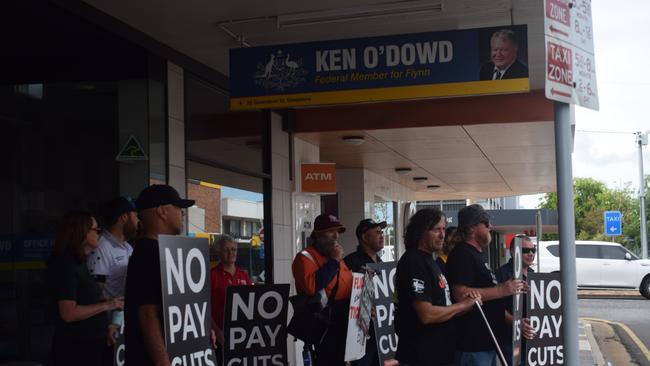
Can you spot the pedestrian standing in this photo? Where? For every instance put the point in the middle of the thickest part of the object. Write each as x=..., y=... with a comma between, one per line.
x=468, y=271
x=81, y=313
x=161, y=212
x=425, y=314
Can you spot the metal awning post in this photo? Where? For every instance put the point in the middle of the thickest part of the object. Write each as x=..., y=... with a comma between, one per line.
x=566, y=221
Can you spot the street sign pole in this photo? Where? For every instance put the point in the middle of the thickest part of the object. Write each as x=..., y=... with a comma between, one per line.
x=566, y=221
x=642, y=140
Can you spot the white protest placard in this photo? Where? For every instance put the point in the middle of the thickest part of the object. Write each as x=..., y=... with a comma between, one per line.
x=184, y=266
x=355, y=342
x=254, y=326
x=545, y=314
x=119, y=348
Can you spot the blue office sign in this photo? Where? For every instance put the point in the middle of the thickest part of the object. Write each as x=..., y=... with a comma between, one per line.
x=396, y=67
x=613, y=225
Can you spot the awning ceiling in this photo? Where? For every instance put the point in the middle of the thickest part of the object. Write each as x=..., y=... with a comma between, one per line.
x=469, y=146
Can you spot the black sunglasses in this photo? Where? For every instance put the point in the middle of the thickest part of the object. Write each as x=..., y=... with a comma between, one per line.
x=528, y=250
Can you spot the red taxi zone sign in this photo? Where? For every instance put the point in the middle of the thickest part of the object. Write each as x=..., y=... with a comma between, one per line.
x=560, y=69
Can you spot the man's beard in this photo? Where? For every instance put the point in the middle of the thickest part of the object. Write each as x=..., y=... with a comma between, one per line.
x=485, y=241
x=324, y=245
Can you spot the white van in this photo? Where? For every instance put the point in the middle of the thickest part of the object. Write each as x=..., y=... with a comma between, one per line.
x=600, y=264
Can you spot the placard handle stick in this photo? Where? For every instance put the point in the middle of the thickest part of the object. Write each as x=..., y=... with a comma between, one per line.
x=496, y=343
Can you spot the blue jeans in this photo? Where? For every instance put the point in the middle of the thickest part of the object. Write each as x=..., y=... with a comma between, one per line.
x=487, y=358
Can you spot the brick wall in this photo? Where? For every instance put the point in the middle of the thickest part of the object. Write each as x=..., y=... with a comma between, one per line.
x=209, y=199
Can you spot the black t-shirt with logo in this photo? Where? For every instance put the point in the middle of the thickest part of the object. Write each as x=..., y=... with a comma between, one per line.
x=143, y=287
x=466, y=266
x=419, y=278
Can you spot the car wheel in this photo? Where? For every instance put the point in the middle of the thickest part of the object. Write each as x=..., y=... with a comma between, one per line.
x=645, y=287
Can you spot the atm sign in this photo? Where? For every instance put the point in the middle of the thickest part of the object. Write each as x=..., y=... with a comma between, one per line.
x=318, y=178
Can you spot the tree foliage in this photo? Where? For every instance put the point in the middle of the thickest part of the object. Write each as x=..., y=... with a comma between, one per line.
x=591, y=198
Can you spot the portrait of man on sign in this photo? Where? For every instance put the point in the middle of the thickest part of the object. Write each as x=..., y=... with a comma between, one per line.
x=504, y=62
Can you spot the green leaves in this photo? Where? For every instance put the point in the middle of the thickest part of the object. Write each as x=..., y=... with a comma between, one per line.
x=591, y=199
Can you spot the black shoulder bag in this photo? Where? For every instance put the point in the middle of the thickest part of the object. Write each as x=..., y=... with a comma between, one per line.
x=310, y=320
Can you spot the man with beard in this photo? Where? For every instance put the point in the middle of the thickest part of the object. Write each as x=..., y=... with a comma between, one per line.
x=506, y=272
x=161, y=212
x=319, y=269
x=468, y=271
x=424, y=313
x=370, y=235
x=109, y=261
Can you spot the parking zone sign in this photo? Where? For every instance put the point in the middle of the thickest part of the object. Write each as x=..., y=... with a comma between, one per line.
x=613, y=225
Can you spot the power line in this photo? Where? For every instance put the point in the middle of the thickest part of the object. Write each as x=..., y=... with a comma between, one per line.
x=610, y=132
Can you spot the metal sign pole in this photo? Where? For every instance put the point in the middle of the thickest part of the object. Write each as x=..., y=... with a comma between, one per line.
x=642, y=140
x=566, y=221
x=538, y=229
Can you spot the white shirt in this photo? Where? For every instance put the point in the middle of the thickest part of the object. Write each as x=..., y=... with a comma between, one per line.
x=110, y=259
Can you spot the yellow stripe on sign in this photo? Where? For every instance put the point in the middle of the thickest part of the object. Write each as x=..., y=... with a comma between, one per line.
x=382, y=94
x=30, y=265
x=210, y=185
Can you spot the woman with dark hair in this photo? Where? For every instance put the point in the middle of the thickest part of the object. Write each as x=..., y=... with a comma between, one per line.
x=447, y=247
x=424, y=311
x=82, y=320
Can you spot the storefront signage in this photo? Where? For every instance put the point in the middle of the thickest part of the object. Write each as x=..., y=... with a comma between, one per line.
x=545, y=314
x=255, y=328
x=318, y=178
x=184, y=271
x=132, y=150
x=570, y=66
x=384, y=321
x=399, y=67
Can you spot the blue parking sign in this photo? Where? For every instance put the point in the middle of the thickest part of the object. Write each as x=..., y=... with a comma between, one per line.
x=613, y=223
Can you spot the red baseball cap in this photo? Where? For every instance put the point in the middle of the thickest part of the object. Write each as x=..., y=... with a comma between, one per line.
x=326, y=222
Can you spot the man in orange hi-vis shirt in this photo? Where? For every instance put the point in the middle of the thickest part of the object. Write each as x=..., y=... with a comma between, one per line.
x=320, y=269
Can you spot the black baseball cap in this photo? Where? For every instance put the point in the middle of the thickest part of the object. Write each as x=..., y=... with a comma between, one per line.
x=159, y=195
x=472, y=215
x=116, y=207
x=367, y=224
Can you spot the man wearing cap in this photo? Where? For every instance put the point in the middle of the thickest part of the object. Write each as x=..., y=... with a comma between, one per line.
x=505, y=273
x=370, y=235
x=161, y=212
x=109, y=261
x=468, y=271
x=319, y=268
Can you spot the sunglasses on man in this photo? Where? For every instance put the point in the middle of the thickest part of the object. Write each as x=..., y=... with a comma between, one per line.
x=528, y=250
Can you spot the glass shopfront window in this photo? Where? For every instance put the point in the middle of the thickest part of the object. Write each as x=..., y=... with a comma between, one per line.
x=225, y=171
x=71, y=95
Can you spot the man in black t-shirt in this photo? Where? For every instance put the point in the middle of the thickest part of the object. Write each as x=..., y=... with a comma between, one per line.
x=468, y=271
x=424, y=311
x=506, y=272
x=370, y=235
x=160, y=210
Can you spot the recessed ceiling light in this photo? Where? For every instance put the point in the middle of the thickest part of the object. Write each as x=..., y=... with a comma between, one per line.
x=402, y=171
x=420, y=179
x=433, y=187
x=353, y=140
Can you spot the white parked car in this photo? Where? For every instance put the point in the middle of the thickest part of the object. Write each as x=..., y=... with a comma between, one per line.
x=600, y=264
